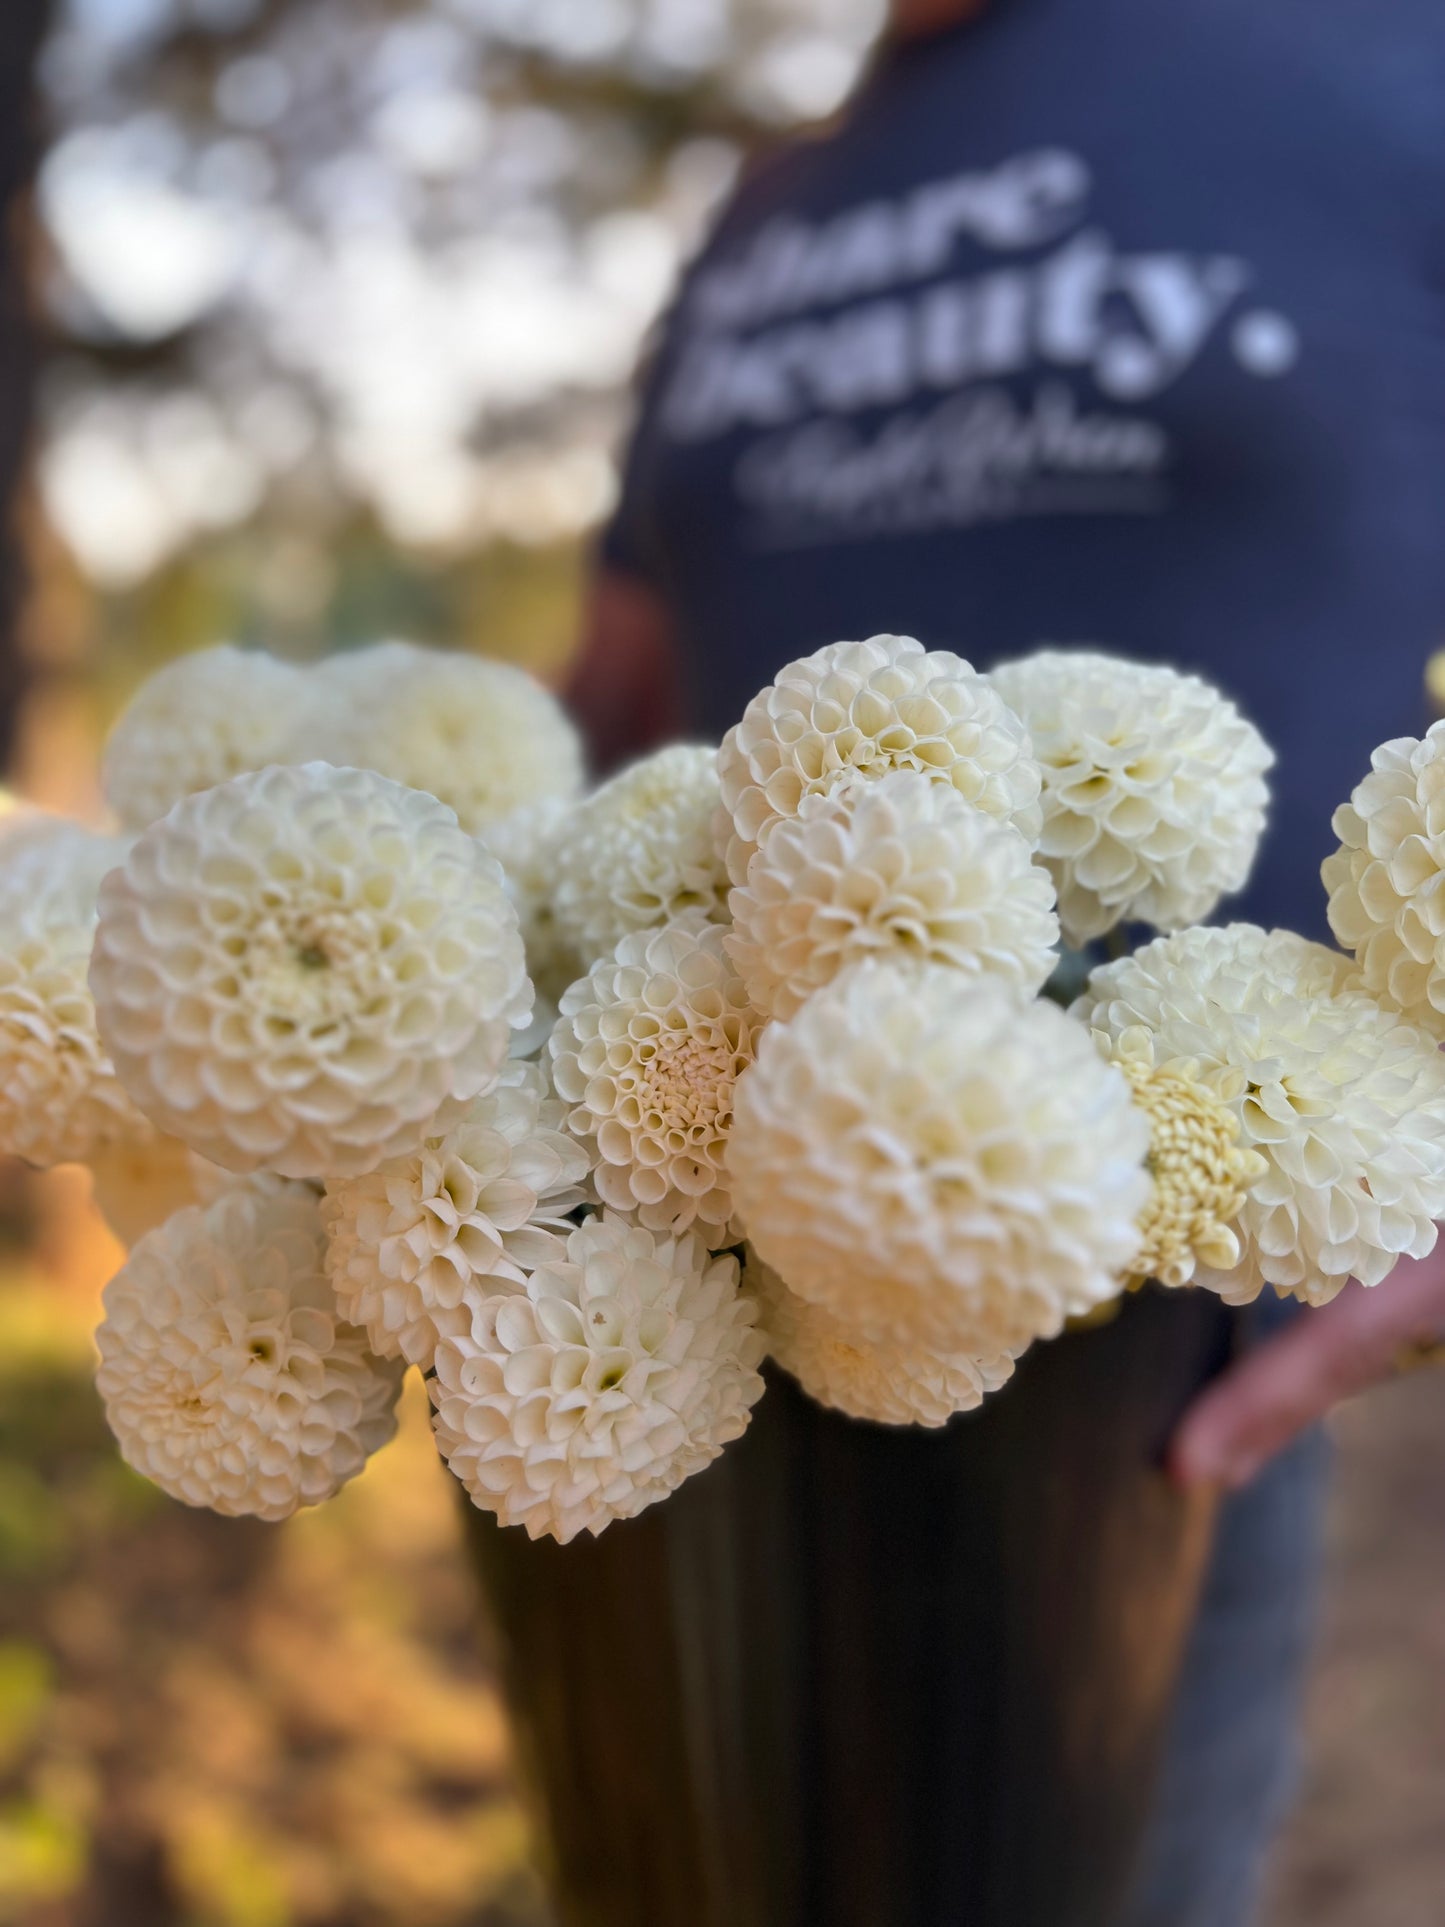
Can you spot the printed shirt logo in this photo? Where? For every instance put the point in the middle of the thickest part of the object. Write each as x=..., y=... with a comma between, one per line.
x=971, y=384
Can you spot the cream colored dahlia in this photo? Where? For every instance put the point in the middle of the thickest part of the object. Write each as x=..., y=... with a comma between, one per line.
x=200, y=721
x=645, y=1054
x=416, y=1243
x=138, y=1182
x=1387, y=880
x=1200, y=1169
x=936, y=1163
x=484, y=736
x=898, y=866
x=228, y=1376
x=1343, y=1100
x=48, y=858
x=639, y=851
x=307, y=970
x=60, y=1098
x=1154, y=790
x=527, y=843
x=866, y=708
x=886, y=1383
x=615, y=1374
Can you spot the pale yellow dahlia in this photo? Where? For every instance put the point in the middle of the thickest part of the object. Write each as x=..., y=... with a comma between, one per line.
x=415, y=1244
x=900, y=866
x=611, y=1376
x=60, y=1098
x=1200, y=1168
x=48, y=860
x=1154, y=790
x=200, y=721
x=1343, y=1100
x=1387, y=880
x=866, y=708
x=228, y=1376
x=639, y=851
x=886, y=1383
x=484, y=736
x=527, y=843
x=307, y=970
x=937, y=1163
x=138, y=1182
x=645, y=1055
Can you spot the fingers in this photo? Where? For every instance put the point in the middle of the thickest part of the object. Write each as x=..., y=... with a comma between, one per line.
x=1260, y=1404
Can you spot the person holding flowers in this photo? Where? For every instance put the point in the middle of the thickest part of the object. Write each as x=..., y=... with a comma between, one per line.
x=1103, y=325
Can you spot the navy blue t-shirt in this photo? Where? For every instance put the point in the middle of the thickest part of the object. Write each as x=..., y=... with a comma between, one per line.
x=1118, y=322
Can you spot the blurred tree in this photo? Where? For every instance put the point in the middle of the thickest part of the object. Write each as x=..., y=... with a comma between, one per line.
x=344, y=278
x=21, y=25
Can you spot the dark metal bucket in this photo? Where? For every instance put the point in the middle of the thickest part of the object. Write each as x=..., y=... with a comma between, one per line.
x=858, y=1677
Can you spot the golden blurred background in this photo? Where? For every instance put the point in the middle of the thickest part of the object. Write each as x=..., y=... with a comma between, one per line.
x=339, y=300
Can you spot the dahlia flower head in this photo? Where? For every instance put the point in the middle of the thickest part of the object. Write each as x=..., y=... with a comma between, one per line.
x=307, y=970
x=1154, y=792
x=865, y=708
x=485, y=737
x=50, y=860
x=528, y=843
x=197, y=722
x=1343, y=1100
x=140, y=1180
x=937, y=1163
x=639, y=851
x=228, y=1377
x=1386, y=882
x=897, y=865
x=60, y=1098
x=417, y=1243
x=888, y=1384
x=615, y=1373
x=646, y=1055
x=1199, y=1168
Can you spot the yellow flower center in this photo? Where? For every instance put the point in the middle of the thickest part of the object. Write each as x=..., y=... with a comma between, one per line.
x=1201, y=1173
x=683, y=1084
x=300, y=967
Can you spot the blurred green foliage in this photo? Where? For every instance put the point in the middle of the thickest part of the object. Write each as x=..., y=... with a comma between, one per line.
x=217, y=1723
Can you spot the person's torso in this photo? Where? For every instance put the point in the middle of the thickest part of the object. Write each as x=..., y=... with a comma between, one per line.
x=1099, y=321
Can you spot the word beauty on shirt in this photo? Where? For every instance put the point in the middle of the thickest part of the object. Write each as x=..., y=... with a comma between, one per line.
x=1133, y=321
x=876, y=391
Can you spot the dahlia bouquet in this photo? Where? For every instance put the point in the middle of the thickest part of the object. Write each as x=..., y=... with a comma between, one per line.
x=390, y=1045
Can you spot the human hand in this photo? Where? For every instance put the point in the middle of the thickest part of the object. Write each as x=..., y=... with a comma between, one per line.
x=1256, y=1407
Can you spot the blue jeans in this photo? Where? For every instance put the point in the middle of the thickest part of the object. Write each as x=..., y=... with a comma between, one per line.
x=1232, y=1753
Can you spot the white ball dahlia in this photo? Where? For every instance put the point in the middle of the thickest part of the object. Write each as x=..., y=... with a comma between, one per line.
x=528, y=843
x=1344, y=1101
x=417, y=1242
x=60, y=1098
x=902, y=866
x=1154, y=790
x=865, y=708
x=200, y=721
x=1387, y=897
x=483, y=736
x=888, y=1384
x=615, y=1374
x=936, y=1163
x=307, y=970
x=228, y=1376
x=646, y=1053
x=639, y=851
